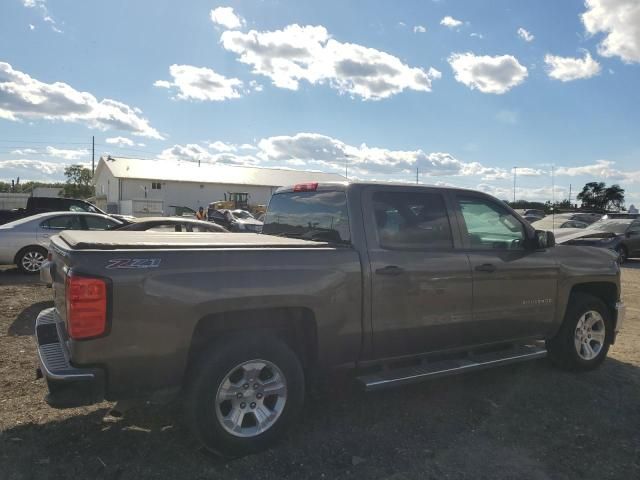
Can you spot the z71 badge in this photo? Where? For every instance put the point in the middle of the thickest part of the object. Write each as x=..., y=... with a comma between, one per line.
x=128, y=263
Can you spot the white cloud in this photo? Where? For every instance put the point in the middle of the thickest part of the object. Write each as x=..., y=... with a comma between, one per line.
x=525, y=35
x=497, y=74
x=24, y=97
x=41, y=6
x=219, y=146
x=321, y=152
x=30, y=169
x=120, y=141
x=32, y=26
x=68, y=154
x=324, y=152
x=619, y=20
x=567, y=69
x=226, y=17
x=24, y=151
x=600, y=169
x=450, y=22
x=309, y=53
x=476, y=35
x=200, y=83
x=419, y=29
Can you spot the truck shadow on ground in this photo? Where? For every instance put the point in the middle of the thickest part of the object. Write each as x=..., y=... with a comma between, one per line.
x=25, y=322
x=12, y=276
x=521, y=421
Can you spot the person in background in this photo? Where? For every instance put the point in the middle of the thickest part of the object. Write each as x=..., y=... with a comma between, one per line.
x=200, y=215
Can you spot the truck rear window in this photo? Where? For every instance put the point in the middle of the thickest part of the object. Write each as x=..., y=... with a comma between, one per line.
x=318, y=216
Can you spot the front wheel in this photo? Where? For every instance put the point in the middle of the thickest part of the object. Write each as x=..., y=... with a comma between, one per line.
x=244, y=393
x=583, y=340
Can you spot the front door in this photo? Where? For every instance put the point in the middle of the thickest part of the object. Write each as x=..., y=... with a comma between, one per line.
x=633, y=238
x=421, y=284
x=514, y=283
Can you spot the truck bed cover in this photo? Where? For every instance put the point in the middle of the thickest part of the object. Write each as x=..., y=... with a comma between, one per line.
x=114, y=240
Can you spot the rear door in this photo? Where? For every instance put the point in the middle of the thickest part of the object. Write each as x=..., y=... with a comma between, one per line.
x=421, y=284
x=514, y=285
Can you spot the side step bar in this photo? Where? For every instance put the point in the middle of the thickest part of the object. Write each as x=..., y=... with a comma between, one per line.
x=427, y=370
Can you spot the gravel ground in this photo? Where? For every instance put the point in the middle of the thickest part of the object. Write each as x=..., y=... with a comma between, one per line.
x=527, y=421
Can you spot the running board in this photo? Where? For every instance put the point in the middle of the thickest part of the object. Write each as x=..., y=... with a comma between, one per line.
x=427, y=370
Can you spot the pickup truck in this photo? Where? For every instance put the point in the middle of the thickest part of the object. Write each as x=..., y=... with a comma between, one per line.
x=37, y=205
x=399, y=283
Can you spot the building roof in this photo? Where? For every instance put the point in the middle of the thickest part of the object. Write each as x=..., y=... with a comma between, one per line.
x=166, y=170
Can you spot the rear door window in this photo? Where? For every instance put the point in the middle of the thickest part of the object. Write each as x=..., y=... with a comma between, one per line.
x=63, y=222
x=412, y=220
x=98, y=223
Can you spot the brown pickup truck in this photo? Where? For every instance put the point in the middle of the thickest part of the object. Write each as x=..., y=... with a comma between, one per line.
x=399, y=283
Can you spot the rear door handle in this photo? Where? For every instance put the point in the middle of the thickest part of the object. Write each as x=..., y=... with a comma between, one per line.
x=390, y=270
x=486, y=267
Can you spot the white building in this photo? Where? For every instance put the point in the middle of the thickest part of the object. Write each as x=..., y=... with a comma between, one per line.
x=151, y=187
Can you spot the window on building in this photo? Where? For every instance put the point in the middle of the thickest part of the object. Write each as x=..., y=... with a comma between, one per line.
x=156, y=186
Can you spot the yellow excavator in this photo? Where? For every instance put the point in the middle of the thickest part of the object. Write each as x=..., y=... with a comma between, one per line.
x=237, y=201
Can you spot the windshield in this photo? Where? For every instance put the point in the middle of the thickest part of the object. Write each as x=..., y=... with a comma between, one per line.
x=241, y=214
x=309, y=215
x=612, y=226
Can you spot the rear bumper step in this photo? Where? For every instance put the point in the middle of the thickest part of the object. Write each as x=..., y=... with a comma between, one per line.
x=68, y=386
x=429, y=370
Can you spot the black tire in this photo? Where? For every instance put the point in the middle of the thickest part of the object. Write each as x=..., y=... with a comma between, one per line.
x=562, y=349
x=208, y=373
x=25, y=257
x=623, y=254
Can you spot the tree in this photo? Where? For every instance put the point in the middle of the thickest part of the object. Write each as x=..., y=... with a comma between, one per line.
x=597, y=196
x=78, y=183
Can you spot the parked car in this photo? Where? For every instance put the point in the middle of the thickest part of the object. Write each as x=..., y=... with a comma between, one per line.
x=171, y=224
x=37, y=205
x=24, y=242
x=242, y=221
x=621, y=235
x=565, y=220
x=627, y=215
x=353, y=275
x=533, y=212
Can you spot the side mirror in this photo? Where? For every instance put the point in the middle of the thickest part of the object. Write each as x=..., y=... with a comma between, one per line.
x=545, y=239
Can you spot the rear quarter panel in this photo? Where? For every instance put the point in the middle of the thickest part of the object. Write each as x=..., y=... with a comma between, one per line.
x=155, y=310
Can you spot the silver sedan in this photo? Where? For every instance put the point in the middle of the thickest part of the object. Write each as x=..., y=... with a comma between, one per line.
x=24, y=242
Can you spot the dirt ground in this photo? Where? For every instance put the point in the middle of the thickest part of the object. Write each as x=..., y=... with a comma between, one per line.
x=527, y=421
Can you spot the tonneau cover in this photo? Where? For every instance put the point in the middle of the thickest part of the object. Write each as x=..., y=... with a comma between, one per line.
x=114, y=240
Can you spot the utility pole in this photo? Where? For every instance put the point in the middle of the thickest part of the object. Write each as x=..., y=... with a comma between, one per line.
x=569, y=195
x=93, y=154
x=346, y=167
x=417, y=173
x=515, y=170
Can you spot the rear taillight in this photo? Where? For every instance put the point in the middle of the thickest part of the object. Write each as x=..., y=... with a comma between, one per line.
x=306, y=187
x=86, y=307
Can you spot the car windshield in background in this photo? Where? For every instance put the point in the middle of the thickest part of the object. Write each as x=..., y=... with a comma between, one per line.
x=612, y=226
x=241, y=214
x=318, y=216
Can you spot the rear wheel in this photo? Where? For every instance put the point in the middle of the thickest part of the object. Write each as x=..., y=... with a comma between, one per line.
x=585, y=335
x=30, y=259
x=244, y=393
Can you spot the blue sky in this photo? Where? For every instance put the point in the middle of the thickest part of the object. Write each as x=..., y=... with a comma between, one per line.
x=461, y=90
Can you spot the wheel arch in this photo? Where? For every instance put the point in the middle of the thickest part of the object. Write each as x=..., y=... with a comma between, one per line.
x=296, y=326
x=605, y=291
